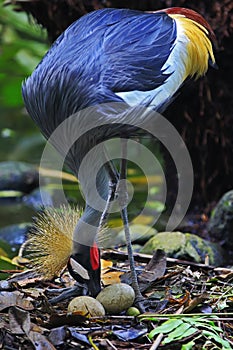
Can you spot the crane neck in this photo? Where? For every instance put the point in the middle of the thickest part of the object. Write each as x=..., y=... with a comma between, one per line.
x=94, y=182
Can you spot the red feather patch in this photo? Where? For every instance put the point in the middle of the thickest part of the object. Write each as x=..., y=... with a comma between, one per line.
x=94, y=257
x=193, y=15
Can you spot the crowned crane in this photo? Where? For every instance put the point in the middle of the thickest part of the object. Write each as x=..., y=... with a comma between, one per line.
x=112, y=57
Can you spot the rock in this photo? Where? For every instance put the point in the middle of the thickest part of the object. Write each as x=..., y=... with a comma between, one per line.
x=86, y=306
x=38, y=198
x=185, y=246
x=220, y=225
x=18, y=176
x=170, y=242
x=116, y=297
x=197, y=248
x=139, y=234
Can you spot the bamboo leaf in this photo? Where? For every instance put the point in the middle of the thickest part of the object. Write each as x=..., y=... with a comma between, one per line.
x=217, y=338
x=188, y=346
x=183, y=331
x=166, y=327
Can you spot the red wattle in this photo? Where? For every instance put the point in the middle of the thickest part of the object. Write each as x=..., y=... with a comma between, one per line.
x=94, y=257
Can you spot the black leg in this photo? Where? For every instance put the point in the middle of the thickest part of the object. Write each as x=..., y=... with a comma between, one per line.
x=123, y=198
x=117, y=186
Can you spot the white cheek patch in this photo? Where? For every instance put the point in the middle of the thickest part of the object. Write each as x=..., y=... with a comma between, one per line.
x=79, y=269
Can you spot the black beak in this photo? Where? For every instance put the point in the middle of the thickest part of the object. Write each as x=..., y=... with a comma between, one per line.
x=93, y=283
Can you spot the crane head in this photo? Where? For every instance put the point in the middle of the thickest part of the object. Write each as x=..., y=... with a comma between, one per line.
x=194, y=16
x=84, y=267
x=200, y=40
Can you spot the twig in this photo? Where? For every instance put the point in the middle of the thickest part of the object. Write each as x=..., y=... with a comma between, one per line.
x=145, y=258
x=164, y=317
x=157, y=341
x=110, y=343
x=95, y=347
x=11, y=271
x=161, y=335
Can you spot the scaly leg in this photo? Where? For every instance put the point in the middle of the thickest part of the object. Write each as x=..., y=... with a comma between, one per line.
x=114, y=178
x=123, y=198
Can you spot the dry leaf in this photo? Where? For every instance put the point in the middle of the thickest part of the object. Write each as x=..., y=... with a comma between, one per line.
x=108, y=276
x=19, y=320
x=15, y=298
x=40, y=342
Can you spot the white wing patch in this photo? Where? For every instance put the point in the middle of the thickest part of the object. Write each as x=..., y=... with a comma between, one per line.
x=175, y=66
x=79, y=269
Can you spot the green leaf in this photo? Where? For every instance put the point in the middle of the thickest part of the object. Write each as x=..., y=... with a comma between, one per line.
x=22, y=47
x=5, y=249
x=10, y=193
x=222, y=304
x=179, y=331
x=203, y=322
x=20, y=22
x=208, y=326
x=183, y=331
x=149, y=318
x=166, y=327
x=226, y=345
x=188, y=346
x=6, y=264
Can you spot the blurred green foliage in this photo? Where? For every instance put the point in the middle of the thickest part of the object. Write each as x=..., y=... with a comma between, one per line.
x=22, y=45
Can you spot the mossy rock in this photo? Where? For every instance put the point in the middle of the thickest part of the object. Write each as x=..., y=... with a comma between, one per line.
x=185, y=246
x=221, y=222
x=139, y=234
x=18, y=176
x=170, y=242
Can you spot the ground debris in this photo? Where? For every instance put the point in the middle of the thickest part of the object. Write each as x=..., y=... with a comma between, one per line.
x=181, y=295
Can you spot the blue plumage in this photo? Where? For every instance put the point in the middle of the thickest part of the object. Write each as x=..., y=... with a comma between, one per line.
x=103, y=53
x=109, y=56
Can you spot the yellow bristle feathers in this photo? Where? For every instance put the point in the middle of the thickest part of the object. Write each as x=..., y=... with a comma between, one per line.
x=199, y=47
x=50, y=240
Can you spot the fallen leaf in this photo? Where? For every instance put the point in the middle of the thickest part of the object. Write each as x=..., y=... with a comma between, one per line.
x=155, y=268
x=131, y=333
x=40, y=342
x=57, y=335
x=195, y=302
x=65, y=319
x=108, y=276
x=15, y=298
x=25, y=277
x=79, y=336
x=184, y=300
x=19, y=320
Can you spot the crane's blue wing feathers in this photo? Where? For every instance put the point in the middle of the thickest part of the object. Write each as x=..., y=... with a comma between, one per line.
x=134, y=55
x=130, y=47
x=98, y=59
x=135, y=51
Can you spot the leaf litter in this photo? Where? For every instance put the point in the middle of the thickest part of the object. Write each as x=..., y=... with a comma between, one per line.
x=187, y=306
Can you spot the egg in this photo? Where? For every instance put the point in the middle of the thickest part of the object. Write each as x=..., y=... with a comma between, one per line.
x=86, y=306
x=116, y=298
